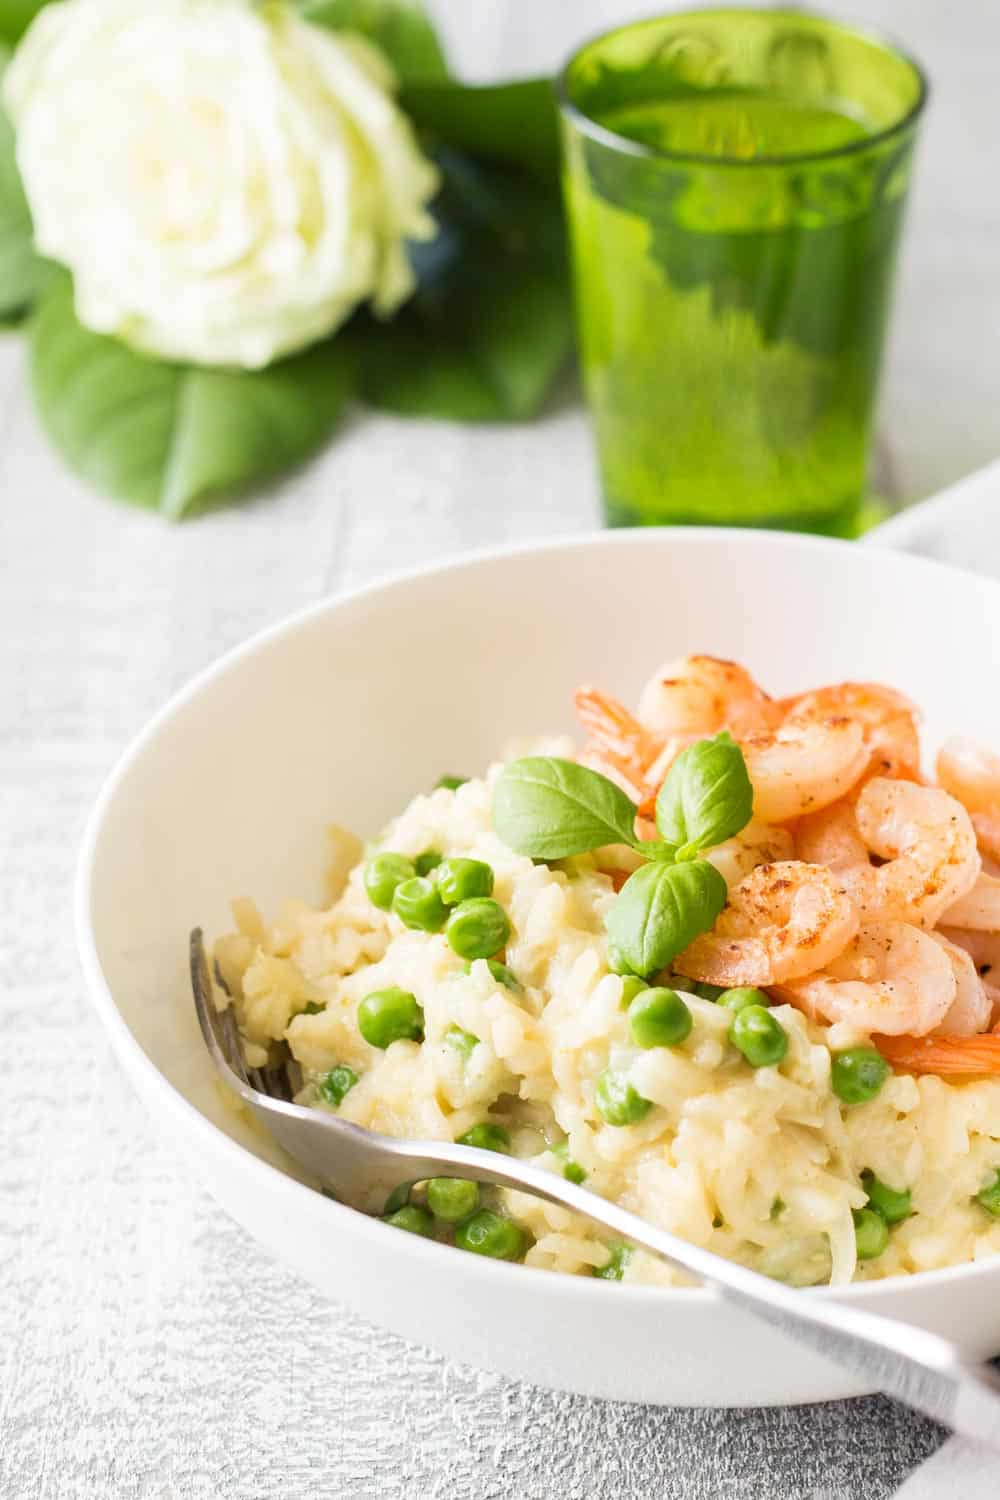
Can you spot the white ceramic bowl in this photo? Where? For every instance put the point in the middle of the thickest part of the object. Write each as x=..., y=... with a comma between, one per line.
x=346, y=711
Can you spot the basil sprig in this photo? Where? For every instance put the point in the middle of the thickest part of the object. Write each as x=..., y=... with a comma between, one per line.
x=661, y=909
x=549, y=808
x=706, y=798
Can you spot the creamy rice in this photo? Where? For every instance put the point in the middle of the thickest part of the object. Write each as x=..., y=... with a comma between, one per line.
x=762, y=1165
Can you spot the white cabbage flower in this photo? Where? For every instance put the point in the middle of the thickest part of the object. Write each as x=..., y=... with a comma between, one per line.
x=225, y=181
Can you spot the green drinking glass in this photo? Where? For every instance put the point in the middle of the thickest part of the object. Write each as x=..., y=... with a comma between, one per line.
x=735, y=183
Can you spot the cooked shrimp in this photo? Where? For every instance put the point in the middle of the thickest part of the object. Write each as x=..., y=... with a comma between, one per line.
x=982, y=947
x=979, y=908
x=619, y=747
x=984, y=950
x=967, y=1055
x=970, y=1011
x=613, y=728
x=782, y=921
x=892, y=978
x=830, y=837
x=971, y=773
x=987, y=826
x=623, y=749
x=797, y=769
x=758, y=844
x=888, y=719
x=929, y=845
x=699, y=695
x=926, y=840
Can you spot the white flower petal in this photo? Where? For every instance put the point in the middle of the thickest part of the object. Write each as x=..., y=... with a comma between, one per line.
x=225, y=181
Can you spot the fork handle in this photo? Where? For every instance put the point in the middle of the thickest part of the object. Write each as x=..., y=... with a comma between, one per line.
x=922, y=1369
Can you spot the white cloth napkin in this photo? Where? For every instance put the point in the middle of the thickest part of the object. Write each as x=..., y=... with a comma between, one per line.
x=961, y=525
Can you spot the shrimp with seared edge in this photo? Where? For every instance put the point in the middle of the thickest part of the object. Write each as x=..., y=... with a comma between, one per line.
x=858, y=891
x=782, y=922
x=922, y=835
x=889, y=722
x=793, y=770
x=891, y=978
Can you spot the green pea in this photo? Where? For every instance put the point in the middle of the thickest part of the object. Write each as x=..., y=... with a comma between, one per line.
x=452, y=1198
x=571, y=1170
x=462, y=879
x=388, y=1016
x=659, y=1018
x=487, y=1233
x=477, y=928
x=892, y=1203
x=618, y=1103
x=383, y=873
x=462, y=1041
x=988, y=1197
x=615, y=1269
x=410, y=1217
x=500, y=973
x=337, y=1083
x=709, y=991
x=450, y=783
x=632, y=985
x=486, y=1137
x=736, y=1000
x=759, y=1036
x=417, y=905
x=871, y=1233
x=428, y=861
x=857, y=1074
x=397, y=1198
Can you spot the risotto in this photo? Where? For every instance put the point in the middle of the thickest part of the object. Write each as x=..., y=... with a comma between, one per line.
x=457, y=989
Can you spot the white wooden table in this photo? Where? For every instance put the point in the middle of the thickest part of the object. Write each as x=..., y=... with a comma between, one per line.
x=150, y=1351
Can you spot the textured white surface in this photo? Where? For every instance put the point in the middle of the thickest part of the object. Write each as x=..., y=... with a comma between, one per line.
x=150, y=1351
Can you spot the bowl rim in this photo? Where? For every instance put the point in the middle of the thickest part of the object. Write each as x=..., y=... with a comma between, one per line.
x=135, y=1060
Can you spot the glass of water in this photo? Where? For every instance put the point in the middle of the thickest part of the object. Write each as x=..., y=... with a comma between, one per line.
x=735, y=183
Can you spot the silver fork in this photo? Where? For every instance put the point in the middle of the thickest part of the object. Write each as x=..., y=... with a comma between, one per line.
x=920, y=1368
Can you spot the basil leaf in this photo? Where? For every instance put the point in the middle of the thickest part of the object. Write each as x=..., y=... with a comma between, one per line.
x=661, y=909
x=172, y=437
x=401, y=28
x=706, y=798
x=490, y=324
x=550, y=808
x=512, y=124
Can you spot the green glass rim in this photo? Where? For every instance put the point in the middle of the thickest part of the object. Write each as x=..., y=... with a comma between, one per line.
x=624, y=145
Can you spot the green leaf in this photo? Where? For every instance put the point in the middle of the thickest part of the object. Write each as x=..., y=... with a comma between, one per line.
x=16, y=16
x=400, y=27
x=22, y=270
x=509, y=124
x=661, y=909
x=706, y=797
x=550, y=808
x=490, y=325
x=172, y=437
